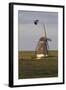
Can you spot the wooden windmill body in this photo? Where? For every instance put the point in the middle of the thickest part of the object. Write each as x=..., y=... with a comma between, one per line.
x=41, y=50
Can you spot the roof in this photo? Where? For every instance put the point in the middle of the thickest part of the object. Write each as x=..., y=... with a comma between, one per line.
x=42, y=38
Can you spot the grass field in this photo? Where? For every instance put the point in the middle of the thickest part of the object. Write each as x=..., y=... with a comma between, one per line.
x=30, y=67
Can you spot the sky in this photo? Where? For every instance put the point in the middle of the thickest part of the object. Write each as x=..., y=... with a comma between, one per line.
x=29, y=34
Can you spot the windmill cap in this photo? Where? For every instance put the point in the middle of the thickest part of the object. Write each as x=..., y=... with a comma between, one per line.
x=42, y=38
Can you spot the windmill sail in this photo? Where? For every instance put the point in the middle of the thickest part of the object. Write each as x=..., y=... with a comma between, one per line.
x=42, y=46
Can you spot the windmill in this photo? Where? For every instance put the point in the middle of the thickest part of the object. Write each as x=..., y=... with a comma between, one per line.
x=42, y=46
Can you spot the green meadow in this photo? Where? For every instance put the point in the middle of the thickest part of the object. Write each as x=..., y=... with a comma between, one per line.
x=30, y=67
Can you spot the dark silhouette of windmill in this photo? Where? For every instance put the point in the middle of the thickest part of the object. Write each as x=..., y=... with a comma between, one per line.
x=42, y=45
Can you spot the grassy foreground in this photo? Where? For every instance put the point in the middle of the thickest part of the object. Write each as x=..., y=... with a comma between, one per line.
x=29, y=67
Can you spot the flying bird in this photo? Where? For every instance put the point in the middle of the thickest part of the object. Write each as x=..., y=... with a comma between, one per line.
x=36, y=22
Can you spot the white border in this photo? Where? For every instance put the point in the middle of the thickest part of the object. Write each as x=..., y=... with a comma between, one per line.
x=60, y=45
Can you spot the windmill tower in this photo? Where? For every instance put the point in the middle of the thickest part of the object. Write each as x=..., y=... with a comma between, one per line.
x=42, y=46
